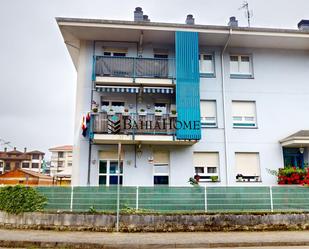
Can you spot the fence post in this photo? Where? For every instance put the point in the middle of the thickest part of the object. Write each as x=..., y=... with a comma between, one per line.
x=205, y=196
x=271, y=198
x=136, y=205
x=72, y=195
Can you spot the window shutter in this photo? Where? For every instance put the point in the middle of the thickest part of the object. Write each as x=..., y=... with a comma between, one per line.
x=115, y=50
x=161, y=157
x=208, y=108
x=110, y=155
x=243, y=108
x=247, y=164
x=206, y=159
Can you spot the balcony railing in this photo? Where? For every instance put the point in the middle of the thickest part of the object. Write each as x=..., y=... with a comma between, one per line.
x=134, y=67
x=134, y=124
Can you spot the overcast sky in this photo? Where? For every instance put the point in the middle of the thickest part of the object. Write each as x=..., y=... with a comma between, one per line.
x=37, y=77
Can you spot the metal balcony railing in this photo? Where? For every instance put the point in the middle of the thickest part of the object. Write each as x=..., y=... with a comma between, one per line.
x=134, y=124
x=134, y=67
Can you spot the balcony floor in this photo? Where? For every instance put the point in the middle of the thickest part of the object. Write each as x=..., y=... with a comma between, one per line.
x=143, y=139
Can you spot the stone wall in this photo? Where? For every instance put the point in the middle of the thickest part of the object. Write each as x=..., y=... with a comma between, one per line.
x=156, y=223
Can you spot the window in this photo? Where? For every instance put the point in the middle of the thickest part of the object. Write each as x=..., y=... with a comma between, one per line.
x=208, y=113
x=69, y=164
x=160, y=53
x=206, y=165
x=25, y=165
x=247, y=166
x=160, y=107
x=240, y=65
x=207, y=65
x=60, y=164
x=244, y=114
x=161, y=167
x=7, y=166
x=108, y=174
x=35, y=165
x=60, y=154
x=116, y=106
x=35, y=156
x=1, y=164
x=115, y=52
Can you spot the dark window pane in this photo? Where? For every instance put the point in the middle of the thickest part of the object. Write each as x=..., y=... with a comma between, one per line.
x=208, y=57
x=233, y=58
x=35, y=165
x=102, y=180
x=107, y=53
x=161, y=180
x=35, y=156
x=106, y=103
x=25, y=165
x=119, y=54
x=161, y=56
x=103, y=166
x=199, y=170
x=245, y=58
x=116, y=103
x=114, y=179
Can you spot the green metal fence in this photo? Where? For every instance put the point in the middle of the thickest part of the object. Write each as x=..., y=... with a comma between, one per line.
x=177, y=199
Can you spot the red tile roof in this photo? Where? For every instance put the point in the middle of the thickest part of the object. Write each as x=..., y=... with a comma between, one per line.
x=62, y=148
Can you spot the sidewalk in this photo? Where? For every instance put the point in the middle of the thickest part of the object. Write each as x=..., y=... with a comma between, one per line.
x=54, y=239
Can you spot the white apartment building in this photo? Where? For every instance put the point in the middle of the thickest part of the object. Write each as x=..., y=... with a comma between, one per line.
x=224, y=103
x=61, y=159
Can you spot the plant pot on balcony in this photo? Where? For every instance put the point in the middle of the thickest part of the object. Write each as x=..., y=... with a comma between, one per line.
x=173, y=114
x=142, y=112
x=158, y=113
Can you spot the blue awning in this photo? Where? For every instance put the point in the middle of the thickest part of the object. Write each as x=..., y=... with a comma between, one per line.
x=168, y=90
x=110, y=89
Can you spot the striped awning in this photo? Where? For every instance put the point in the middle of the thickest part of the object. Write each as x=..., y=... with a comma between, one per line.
x=168, y=90
x=110, y=89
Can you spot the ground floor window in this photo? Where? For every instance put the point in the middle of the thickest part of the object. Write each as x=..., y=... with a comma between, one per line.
x=247, y=166
x=161, y=168
x=293, y=157
x=108, y=173
x=206, y=165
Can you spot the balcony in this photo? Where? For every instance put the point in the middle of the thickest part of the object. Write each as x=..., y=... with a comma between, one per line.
x=134, y=128
x=133, y=70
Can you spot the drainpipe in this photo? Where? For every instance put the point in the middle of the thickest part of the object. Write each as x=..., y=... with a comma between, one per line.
x=224, y=108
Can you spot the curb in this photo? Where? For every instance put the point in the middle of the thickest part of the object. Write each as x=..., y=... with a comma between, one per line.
x=73, y=245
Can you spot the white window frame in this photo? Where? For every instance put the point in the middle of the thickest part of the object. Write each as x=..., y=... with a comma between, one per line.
x=110, y=106
x=161, y=174
x=257, y=177
x=108, y=174
x=112, y=51
x=201, y=59
x=239, y=73
x=207, y=121
x=206, y=167
x=245, y=121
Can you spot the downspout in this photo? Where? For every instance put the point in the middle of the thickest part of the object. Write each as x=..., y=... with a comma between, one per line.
x=224, y=109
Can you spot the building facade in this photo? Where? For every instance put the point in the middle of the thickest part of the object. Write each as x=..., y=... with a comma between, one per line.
x=174, y=101
x=61, y=160
x=15, y=159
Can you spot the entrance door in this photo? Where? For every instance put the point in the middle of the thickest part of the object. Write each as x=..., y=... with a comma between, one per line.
x=293, y=158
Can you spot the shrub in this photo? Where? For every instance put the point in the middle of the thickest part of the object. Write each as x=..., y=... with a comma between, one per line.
x=18, y=199
x=291, y=175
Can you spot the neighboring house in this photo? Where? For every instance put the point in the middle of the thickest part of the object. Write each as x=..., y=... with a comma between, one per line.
x=186, y=100
x=61, y=163
x=25, y=177
x=14, y=159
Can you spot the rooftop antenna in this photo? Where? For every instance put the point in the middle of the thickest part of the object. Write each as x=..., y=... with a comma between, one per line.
x=248, y=13
x=5, y=143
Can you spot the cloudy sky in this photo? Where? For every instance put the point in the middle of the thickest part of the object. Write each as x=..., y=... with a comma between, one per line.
x=37, y=77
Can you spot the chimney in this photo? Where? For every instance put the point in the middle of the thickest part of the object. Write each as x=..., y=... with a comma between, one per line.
x=138, y=14
x=5, y=149
x=14, y=148
x=145, y=18
x=190, y=19
x=303, y=25
x=25, y=149
x=233, y=22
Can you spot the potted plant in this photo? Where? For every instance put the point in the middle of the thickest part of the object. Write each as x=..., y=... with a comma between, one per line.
x=94, y=107
x=239, y=178
x=214, y=178
x=158, y=113
x=125, y=112
x=142, y=112
x=111, y=112
x=173, y=114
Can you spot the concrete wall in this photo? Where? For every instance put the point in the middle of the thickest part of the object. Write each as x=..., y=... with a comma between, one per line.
x=156, y=222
